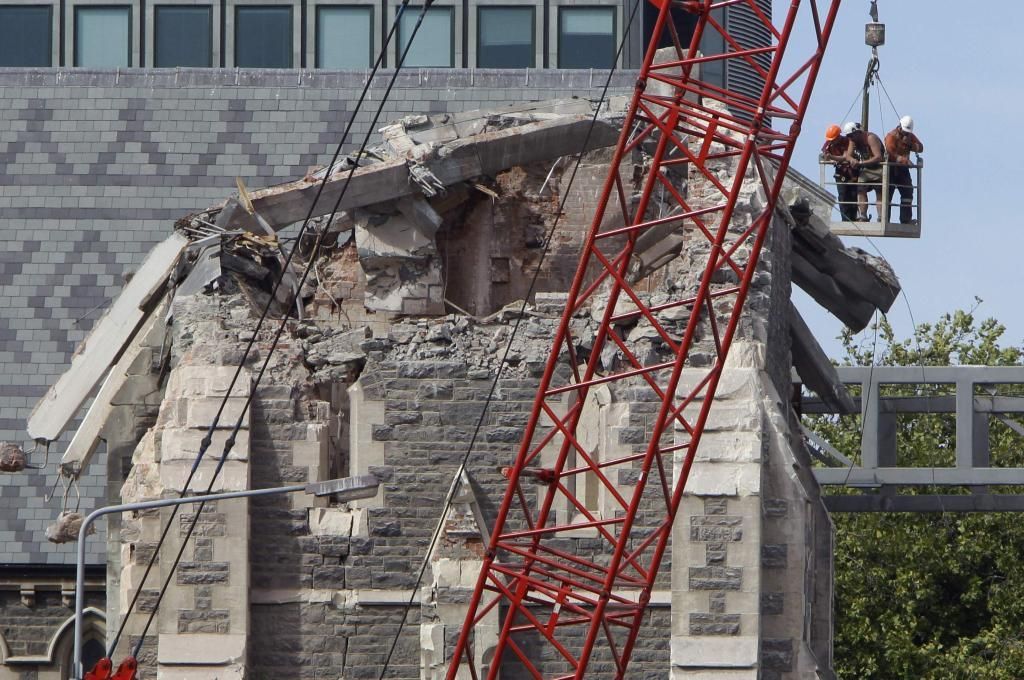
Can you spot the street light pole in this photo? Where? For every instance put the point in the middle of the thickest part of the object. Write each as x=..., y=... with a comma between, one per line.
x=349, y=488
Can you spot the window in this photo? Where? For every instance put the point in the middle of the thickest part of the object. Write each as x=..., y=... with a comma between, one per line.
x=505, y=37
x=263, y=36
x=435, y=41
x=586, y=37
x=712, y=42
x=26, y=35
x=103, y=37
x=182, y=36
x=344, y=37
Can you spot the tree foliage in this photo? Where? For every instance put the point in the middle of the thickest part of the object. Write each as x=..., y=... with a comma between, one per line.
x=940, y=595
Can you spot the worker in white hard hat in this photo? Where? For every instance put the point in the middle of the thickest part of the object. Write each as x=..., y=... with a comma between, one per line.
x=866, y=154
x=899, y=144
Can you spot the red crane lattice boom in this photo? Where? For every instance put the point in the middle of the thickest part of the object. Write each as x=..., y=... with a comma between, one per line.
x=551, y=609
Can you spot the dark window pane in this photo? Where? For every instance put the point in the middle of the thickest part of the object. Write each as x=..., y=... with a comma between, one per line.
x=263, y=37
x=505, y=37
x=103, y=37
x=183, y=36
x=92, y=651
x=586, y=37
x=434, y=44
x=712, y=42
x=344, y=37
x=25, y=35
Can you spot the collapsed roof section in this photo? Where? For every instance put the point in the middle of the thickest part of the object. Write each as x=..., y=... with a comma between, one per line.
x=469, y=197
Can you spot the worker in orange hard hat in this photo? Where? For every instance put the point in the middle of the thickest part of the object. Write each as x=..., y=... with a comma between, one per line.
x=834, y=151
x=899, y=144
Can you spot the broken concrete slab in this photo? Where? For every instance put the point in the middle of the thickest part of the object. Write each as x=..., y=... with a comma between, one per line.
x=464, y=158
x=102, y=346
x=410, y=132
x=848, y=282
x=87, y=436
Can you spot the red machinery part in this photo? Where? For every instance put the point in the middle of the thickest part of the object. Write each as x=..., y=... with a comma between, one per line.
x=127, y=669
x=101, y=671
x=554, y=608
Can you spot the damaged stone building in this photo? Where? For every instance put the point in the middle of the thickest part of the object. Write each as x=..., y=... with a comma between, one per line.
x=410, y=317
x=110, y=134
x=147, y=214
x=96, y=166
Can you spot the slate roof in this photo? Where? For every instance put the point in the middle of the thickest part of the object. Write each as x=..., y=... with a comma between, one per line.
x=95, y=166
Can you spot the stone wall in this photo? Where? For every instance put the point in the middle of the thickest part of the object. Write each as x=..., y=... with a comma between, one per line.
x=752, y=544
x=740, y=597
x=35, y=628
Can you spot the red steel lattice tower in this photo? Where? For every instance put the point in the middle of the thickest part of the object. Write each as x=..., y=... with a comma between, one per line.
x=551, y=610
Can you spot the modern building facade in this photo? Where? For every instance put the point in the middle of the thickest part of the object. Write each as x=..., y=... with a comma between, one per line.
x=332, y=34
x=307, y=34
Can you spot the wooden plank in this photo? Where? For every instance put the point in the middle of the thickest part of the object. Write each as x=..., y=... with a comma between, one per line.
x=83, y=444
x=101, y=347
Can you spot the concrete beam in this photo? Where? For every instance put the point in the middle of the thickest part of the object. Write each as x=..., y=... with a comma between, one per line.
x=906, y=476
x=87, y=436
x=926, y=503
x=412, y=131
x=937, y=404
x=484, y=154
x=815, y=368
x=102, y=346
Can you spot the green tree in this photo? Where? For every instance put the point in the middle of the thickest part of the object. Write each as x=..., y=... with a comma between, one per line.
x=941, y=595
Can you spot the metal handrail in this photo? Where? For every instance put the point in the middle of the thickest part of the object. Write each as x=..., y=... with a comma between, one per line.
x=832, y=186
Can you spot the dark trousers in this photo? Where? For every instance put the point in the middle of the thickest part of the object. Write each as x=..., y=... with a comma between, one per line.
x=846, y=191
x=899, y=178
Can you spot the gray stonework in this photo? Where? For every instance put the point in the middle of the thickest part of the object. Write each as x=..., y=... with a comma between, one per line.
x=35, y=625
x=752, y=543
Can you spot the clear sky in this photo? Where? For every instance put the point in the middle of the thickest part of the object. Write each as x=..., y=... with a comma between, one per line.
x=958, y=69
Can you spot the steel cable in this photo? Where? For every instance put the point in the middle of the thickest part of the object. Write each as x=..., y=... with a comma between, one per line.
x=207, y=440
x=229, y=443
x=449, y=500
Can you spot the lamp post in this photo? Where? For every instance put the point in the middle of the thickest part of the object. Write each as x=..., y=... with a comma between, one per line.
x=346, y=489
